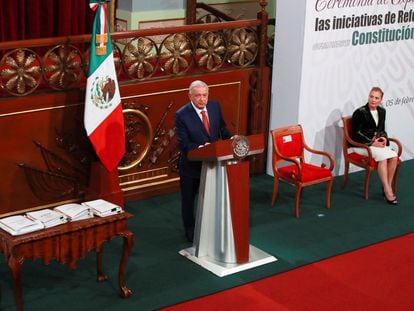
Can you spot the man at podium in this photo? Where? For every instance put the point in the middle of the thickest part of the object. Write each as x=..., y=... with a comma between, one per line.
x=197, y=123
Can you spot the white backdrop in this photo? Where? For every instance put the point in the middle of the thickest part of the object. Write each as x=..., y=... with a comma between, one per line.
x=339, y=64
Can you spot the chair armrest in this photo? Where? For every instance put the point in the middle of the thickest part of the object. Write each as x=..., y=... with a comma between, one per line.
x=359, y=145
x=323, y=153
x=294, y=161
x=398, y=143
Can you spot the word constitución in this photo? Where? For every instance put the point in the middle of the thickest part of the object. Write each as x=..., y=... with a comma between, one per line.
x=382, y=35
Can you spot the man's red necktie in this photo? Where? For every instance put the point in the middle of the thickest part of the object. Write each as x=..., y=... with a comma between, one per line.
x=205, y=122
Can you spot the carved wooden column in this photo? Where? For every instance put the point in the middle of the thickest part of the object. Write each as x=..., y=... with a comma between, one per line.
x=261, y=85
x=190, y=17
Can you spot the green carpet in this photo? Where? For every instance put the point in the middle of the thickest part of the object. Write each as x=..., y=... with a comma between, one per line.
x=158, y=276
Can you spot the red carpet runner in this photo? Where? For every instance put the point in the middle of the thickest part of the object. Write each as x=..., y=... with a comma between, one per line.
x=377, y=277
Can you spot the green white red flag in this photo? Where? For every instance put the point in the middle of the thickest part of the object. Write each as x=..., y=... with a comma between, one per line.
x=103, y=118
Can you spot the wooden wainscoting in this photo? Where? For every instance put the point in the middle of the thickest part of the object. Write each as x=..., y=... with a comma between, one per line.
x=46, y=156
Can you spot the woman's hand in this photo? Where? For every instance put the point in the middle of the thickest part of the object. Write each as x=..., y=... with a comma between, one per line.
x=379, y=142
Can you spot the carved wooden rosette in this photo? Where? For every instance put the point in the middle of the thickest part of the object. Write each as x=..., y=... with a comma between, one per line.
x=20, y=72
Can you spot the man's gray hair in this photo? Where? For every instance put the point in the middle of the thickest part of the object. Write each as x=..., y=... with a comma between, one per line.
x=197, y=83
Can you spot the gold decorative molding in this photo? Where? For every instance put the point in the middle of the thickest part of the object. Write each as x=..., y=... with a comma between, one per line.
x=143, y=177
x=165, y=181
x=38, y=110
x=138, y=137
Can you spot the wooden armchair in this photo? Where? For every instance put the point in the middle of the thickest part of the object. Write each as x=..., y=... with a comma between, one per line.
x=365, y=162
x=289, y=164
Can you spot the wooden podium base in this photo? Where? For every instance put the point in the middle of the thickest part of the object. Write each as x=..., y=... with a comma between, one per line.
x=257, y=258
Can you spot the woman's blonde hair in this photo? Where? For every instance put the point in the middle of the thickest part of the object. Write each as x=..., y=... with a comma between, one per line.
x=377, y=89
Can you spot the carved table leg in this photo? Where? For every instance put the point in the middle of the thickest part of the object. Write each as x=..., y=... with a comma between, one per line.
x=128, y=241
x=101, y=275
x=15, y=268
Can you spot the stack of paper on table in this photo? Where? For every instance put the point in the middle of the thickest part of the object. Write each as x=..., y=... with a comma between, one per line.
x=75, y=211
x=103, y=208
x=19, y=224
x=48, y=217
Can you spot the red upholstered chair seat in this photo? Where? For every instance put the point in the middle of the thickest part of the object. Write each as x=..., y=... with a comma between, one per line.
x=289, y=165
x=362, y=159
x=309, y=172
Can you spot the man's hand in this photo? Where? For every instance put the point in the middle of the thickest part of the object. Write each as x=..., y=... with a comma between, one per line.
x=201, y=146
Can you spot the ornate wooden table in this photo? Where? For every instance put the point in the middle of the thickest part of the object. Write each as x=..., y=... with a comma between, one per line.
x=67, y=243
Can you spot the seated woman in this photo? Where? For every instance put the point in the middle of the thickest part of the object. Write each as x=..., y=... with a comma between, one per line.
x=368, y=127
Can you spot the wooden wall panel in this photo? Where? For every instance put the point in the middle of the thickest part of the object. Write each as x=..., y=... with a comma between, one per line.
x=45, y=133
x=42, y=133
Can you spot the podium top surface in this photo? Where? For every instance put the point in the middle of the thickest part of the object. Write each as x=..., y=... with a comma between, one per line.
x=223, y=149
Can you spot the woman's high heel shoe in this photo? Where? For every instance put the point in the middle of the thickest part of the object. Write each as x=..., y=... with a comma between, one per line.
x=393, y=201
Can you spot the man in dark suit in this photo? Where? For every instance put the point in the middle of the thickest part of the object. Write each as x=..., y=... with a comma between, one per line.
x=193, y=132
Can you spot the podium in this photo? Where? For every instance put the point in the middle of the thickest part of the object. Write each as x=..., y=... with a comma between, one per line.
x=221, y=237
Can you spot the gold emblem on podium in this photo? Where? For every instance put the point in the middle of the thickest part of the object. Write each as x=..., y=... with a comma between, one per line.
x=240, y=146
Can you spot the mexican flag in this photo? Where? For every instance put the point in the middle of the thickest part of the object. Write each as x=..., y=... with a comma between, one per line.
x=103, y=118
